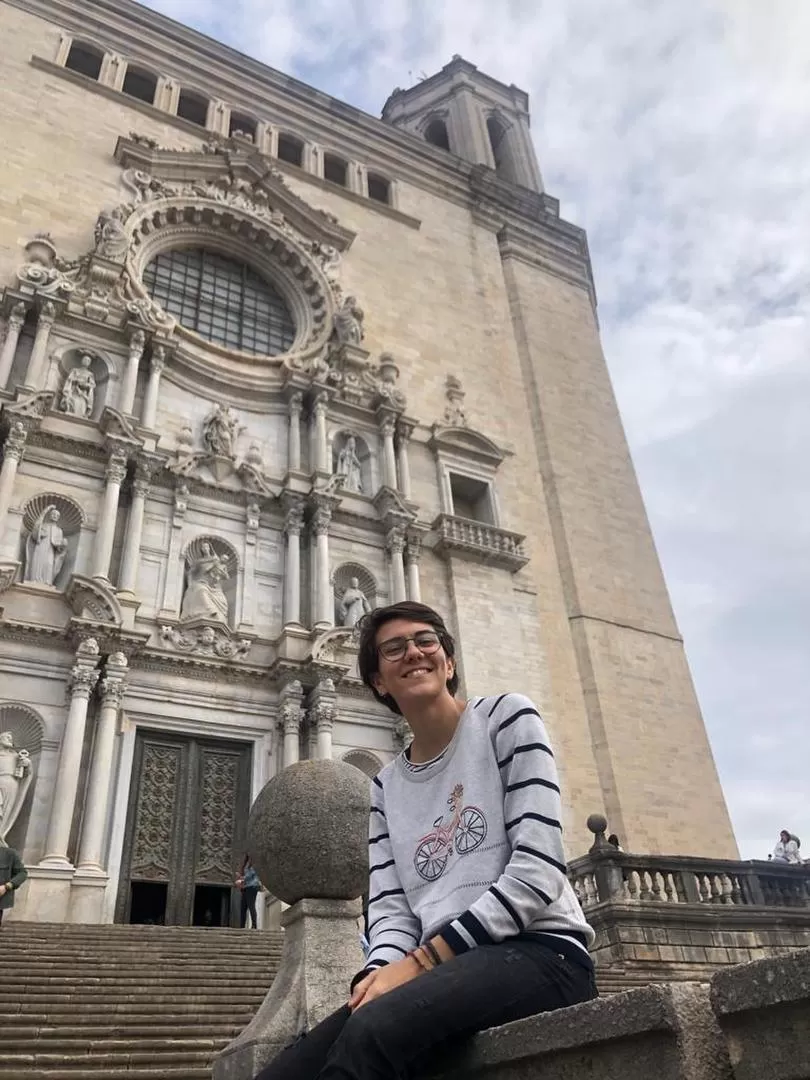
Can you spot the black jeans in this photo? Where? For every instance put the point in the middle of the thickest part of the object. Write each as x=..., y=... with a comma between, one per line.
x=249, y=905
x=400, y=1033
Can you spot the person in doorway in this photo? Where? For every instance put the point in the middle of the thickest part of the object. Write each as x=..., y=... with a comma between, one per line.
x=12, y=875
x=787, y=848
x=472, y=921
x=248, y=882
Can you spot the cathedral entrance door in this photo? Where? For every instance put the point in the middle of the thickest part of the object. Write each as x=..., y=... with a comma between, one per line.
x=185, y=834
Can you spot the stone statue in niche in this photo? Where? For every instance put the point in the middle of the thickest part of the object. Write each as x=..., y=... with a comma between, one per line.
x=349, y=322
x=205, y=598
x=353, y=604
x=15, y=779
x=79, y=391
x=45, y=548
x=348, y=466
x=220, y=430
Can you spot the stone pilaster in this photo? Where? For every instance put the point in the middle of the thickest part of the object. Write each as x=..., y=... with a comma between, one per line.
x=293, y=526
x=91, y=848
x=13, y=449
x=39, y=353
x=296, y=405
x=14, y=325
x=137, y=343
x=105, y=534
x=322, y=713
x=413, y=551
x=395, y=546
x=320, y=458
x=323, y=602
x=150, y=401
x=404, y=432
x=81, y=682
x=144, y=470
x=290, y=716
x=387, y=428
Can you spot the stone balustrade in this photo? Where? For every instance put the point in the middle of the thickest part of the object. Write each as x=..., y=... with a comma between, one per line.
x=479, y=542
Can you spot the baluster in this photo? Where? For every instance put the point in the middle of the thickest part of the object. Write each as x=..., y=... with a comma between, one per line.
x=632, y=884
x=646, y=891
x=736, y=890
x=671, y=889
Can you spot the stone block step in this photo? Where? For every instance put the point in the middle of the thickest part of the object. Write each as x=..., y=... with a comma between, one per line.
x=91, y=1072
x=21, y=1036
x=80, y=1019
x=108, y=1059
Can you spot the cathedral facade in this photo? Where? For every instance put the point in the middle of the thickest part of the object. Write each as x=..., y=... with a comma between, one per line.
x=268, y=362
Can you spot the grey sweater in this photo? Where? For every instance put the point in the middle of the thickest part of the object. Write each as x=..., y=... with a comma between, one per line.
x=469, y=845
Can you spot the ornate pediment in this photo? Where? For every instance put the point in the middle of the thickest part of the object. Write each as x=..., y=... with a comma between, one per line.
x=91, y=599
x=463, y=442
x=204, y=638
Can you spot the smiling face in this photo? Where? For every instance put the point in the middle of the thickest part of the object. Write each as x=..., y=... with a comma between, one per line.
x=419, y=674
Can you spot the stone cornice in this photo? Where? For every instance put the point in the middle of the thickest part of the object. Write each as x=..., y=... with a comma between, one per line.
x=166, y=46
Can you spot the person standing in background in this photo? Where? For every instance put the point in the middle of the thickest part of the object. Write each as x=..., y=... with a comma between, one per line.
x=248, y=882
x=12, y=875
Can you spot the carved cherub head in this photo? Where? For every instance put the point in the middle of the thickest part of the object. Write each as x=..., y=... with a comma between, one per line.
x=6, y=740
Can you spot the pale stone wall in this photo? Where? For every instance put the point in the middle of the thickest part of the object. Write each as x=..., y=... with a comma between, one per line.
x=585, y=628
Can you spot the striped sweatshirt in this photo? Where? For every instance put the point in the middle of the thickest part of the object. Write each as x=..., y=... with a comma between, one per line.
x=469, y=845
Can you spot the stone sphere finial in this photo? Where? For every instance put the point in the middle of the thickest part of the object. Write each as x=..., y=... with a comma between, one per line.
x=308, y=832
x=597, y=823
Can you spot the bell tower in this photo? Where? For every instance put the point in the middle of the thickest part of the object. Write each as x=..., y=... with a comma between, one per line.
x=466, y=113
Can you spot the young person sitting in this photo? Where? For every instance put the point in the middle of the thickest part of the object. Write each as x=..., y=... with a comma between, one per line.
x=472, y=921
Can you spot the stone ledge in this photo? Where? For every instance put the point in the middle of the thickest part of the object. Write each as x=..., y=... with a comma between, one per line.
x=666, y=1032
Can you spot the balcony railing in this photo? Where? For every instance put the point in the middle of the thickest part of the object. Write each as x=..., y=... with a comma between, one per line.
x=479, y=542
x=608, y=875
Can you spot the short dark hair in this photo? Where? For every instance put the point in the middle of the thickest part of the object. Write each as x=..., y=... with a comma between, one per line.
x=369, y=660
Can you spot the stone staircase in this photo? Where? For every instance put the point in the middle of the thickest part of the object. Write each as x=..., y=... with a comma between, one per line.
x=134, y=1002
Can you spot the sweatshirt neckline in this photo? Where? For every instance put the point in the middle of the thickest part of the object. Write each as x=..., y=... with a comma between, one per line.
x=426, y=770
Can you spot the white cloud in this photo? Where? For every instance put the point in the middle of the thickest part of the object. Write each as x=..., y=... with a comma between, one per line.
x=679, y=136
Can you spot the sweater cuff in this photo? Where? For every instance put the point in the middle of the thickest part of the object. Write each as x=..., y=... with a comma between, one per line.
x=366, y=971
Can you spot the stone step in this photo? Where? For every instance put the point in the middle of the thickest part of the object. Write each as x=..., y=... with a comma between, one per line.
x=83, y=1071
x=22, y=1035
x=179, y=1009
x=125, y=1018
x=110, y=1059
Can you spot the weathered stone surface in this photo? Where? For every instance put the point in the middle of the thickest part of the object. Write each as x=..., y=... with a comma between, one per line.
x=308, y=831
x=321, y=951
x=661, y=1032
x=764, y=1011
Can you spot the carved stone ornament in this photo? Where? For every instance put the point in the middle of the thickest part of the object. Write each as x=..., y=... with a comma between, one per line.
x=9, y=568
x=15, y=779
x=82, y=680
x=91, y=599
x=206, y=640
x=454, y=414
x=79, y=390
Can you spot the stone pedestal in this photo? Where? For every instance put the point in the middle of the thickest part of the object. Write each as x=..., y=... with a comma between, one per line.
x=44, y=897
x=321, y=945
x=87, y=897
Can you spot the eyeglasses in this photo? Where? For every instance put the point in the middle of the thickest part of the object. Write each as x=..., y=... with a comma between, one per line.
x=426, y=641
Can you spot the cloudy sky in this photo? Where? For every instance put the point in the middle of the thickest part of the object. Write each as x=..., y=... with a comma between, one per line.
x=678, y=135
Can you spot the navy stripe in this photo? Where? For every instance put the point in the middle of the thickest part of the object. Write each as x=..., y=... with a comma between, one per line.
x=497, y=703
x=383, y=894
x=454, y=940
x=377, y=810
x=546, y=858
x=528, y=711
x=376, y=780
x=538, y=892
x=381, y=866
x=524, y=750
x=507, y=906
x=534, y=780
x=382, y=836
x=534, y=817
x=474, y=928
x=479, y=702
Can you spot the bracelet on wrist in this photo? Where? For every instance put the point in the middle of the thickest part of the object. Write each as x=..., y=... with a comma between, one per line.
x=433, y=953
x=420, y=959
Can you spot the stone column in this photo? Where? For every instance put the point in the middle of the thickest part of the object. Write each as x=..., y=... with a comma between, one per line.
x=389, y=455
x=170, y=607
x=136, y=346
x=91, y=849
x=13, y=449
x=395, y=543
x=105, y=534
x=293, y=525
x=294, y=433
x=14, y=325
x=413, y=550
x=290, y=713
x=150, y=401
x=321, y=460
x=404, y=434
x=81, y=681
x=132, y=542
x=324, y=605
x=322, y=714
x=39, y=352
x=253, y=512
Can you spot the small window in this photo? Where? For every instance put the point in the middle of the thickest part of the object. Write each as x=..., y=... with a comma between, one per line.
x=86, y=59
x=436, y=134
x=290, y=149
x=471, y=499
x=335, y=169
x=242, y=125
x=140, y=84
x=501, y=150
x=379, y=188
x=193, y=107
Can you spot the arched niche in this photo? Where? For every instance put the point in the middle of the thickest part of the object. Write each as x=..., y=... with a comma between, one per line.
x=41, y=552
x=71, y=397
x=27, y=731
x=341, y=451
x=211, y=569
x=365, y=761
x=500, y=141
x=343, y=579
